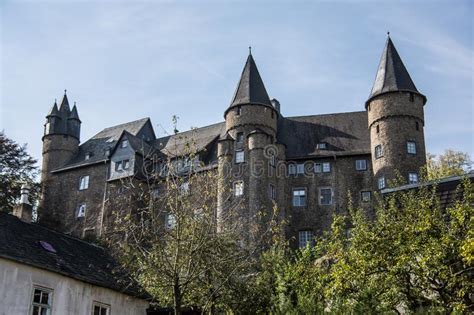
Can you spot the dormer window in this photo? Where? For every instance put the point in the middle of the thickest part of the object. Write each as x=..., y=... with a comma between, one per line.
x=124, y=143
x=322, y=146
x=87, y=156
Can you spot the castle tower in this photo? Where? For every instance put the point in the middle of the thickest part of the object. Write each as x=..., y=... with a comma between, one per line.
x=245, y=152
x=396, y=121
x=60, y=143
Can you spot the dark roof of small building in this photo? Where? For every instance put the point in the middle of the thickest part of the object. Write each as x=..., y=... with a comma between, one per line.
x=392, y=76
x=344, y=134
x=74, y=258
x=250, y=89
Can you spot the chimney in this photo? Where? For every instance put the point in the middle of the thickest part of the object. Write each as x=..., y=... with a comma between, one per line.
x=24, y=209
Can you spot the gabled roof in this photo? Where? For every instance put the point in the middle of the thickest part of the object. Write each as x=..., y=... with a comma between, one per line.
x=392, y=76
x=140, y=146
x=343, y=133
x=250, y=89
x=74, y=258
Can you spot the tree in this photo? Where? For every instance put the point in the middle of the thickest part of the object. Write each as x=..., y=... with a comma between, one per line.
x=168, y=236
x=450, y=163
x=17, y=167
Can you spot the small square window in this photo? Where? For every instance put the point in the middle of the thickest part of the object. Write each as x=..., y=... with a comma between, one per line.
x=300, y=168
x=292, y=169
x=170, y=221
x=365, y=196
x=239, y=188
x=118, y=166
x=411, y=147
x=378, y=151
x=84, y=182
x=381, y=182
x=126, y=164
x=81, y=210
x=412, y=178
x=100, y=309
x=361, y=165
x=240, y=137
x=124, y=143
x=239, y=156
x=325, y=196
x=42, y=301
x=299, y=197
x=272, y=192
x=305, y=238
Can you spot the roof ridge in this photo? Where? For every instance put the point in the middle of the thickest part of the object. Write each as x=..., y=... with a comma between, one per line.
x=191, y=130
x=329, y=114
x=127, y=123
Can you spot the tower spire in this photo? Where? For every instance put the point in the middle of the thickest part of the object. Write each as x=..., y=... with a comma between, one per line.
x=250, y=89
x=64, y=103
x=392, y=76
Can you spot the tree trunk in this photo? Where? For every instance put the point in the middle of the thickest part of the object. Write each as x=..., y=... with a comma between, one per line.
x=177, y=297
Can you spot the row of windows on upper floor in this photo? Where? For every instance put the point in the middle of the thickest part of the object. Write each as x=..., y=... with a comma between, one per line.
x=42, y=303
x=412, y=179
x=410, y=148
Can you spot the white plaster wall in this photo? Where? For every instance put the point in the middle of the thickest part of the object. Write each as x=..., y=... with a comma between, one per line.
x=70, y=297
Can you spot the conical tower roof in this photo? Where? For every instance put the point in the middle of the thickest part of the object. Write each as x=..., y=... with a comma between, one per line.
x=250, y=89
x=64, y=104
x=54, y=110
x=74, y=114
x=392, y=76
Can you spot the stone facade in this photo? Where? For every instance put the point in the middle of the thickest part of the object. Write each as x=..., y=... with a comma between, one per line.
x=305, y=166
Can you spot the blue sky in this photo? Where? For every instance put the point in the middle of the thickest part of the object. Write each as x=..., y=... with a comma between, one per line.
x=126, y=60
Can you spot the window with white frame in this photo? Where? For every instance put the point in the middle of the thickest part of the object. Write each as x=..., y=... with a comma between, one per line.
x=365, y=196
x=118, y=166
x=272, y=191
x=361, y=165
x=124, y=143
x=322, y=146
x=305, y=238
x=272, y=160
x=325, y=196
x=84, y=182
x=300, y=168
x=42, y=301
x=381, y=182
x=81, y=210
x=100, y=309
x=322, y=167
x=291, y=169
x=170, y=221
x=412, y=178
x=126, y=164
x=411, y=147
x=378, y=151
x=299, y=197
x=239, y=156
x=238, y=188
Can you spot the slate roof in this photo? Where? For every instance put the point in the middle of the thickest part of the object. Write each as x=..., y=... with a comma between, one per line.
x=392, y=75
x=344, y=133
x=98, y=144
x=20, y=242
x=250, y=89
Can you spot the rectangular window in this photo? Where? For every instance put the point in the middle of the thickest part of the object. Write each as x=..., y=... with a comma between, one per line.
x=240, y=137
x=238, y=111
x=124, y=143
x=361, y=165
x=84, y=182
x=411, y=147
x=300, y=168
x=304, y=238
x=299, y=197
x=81, y=210
x=378, y=151
x=126, y=164
x=365, y=196
x=42, y=301
x=322, y=167
x=118, y=166
x=100, y=309
x=239, y=188
x=272, y=192
x=322, y=146
x=325, y=196
x=88, y=156
x=412, y=178
x=170, y=221
x=272, y=160
x=381, y=182
x=239, y=156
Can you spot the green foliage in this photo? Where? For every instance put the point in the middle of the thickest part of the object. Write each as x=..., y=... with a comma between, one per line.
x=450, y=163
x=17, y=167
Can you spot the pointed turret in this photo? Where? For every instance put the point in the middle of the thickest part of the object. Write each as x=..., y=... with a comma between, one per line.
x=74, y=114
x=53, y=111
x=64, y=103
x=250, y=89
x=392, y=76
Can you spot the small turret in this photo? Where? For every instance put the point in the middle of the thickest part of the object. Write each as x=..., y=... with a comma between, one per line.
x=396, y=121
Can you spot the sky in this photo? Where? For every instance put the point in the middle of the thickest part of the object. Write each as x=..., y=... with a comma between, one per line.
x=125, y=60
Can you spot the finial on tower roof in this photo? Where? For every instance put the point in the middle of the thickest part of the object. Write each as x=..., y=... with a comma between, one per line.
x=65, y=91
x=388, y=33
x=250, y=50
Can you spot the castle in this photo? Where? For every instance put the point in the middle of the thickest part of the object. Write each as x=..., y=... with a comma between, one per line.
x=326, y=157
